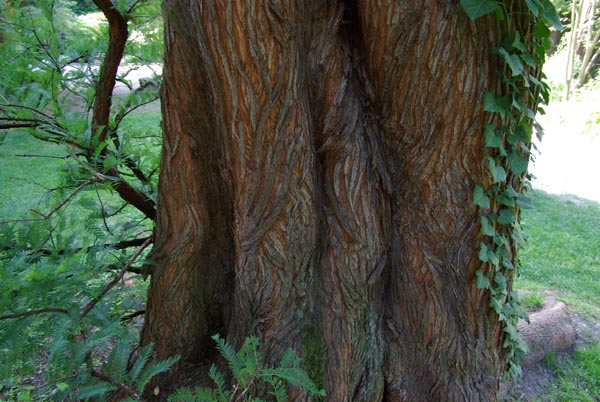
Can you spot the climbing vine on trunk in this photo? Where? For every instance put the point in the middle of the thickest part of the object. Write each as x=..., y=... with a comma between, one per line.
x=512, y=109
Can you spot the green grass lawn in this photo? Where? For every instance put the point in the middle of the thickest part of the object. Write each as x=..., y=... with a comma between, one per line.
x=29, y=168
x=563, y=251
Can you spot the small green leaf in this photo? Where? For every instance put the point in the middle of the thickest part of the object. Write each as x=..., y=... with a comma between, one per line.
x=62, y=386
x=486, y=227
x=506, y=216
x=500, y=281
x=493, y=139
x=504, y=199
x=483, y=282
x=507, y=263
x=480, y=198
x=517, y=162
x=513, y=61
x=494, y=104
x=533, y=7
x=478, y=8
x=498, y=172
x=526, y=57
x=524, y=202
x=549, y=15
x=483, y=252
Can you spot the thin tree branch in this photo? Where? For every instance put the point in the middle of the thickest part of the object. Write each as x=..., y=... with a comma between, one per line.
x=117, y=246
x=131, y=316
x=123, y=387
x=53, y=210
x=46, y=310
x=116, y=279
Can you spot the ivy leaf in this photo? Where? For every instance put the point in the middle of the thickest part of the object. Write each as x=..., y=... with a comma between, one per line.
x=498, y=172
x=495, y=103
x=549, y=15
x=524, y=202
x=479, y=197
x=517, y=162
x=507, y=263
x=483, y=252
x=483, y=282
x=526, y=57
x=533, y=7
x=500, y=281
x=506, y=216
x=513, y=61
x=492, y=138
x=478, y=8
x=486, y=227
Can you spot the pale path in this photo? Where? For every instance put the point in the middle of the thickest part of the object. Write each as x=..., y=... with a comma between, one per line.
x=569, y=162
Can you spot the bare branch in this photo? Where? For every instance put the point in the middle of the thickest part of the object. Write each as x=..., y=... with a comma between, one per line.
x=116, y=279
x=46, y=310
x=123, y=387
x=117, y=246
x=43, y=216
x=131, y=316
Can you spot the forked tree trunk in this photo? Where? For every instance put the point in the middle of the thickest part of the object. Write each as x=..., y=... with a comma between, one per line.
x=317, y=171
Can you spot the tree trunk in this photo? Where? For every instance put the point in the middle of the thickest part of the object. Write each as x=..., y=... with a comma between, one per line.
x=317, y=171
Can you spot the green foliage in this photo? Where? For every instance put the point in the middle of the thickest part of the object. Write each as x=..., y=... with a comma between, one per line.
x=70, y=275
x=250, y=376
x=508, y=142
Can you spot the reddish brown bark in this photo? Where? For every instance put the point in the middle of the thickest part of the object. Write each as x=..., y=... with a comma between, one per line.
x=318, y=166
x=118, y=34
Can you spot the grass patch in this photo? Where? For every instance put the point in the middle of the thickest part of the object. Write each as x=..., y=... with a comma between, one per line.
x=578, y=376
x=563, y=251
x=532, y=300
x=30, y=168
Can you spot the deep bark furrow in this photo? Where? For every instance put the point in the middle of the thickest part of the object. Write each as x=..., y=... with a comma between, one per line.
x=190, y=292
x=354, y=210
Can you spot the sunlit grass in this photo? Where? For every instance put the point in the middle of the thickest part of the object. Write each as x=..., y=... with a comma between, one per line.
x=563, y=250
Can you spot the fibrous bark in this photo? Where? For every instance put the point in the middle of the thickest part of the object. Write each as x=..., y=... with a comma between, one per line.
x=317, y=171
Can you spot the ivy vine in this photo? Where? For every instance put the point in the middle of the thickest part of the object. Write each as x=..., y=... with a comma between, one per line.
x=508, y=138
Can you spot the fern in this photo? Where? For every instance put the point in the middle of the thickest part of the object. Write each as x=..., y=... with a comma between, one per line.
x=197, y=395
x=279, y=391
x=152, y=369
x=246, y=368
x=219, y=380
x=97, y=389
x=140, y=362
x=234, y=362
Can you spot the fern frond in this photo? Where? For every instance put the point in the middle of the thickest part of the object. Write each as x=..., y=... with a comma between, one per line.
x=233, y=359
x=279, y=391
x=197, y=395
x=87, y=392
x=289, y=359
x=219, y=380
x=140, y=362
x=152, y=369
x=293, y=375
x=116, y=364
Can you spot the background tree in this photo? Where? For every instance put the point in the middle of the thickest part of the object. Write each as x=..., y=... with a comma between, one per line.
x=583, y=42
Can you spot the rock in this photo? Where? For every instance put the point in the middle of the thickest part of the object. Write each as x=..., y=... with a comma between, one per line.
x=550, y=330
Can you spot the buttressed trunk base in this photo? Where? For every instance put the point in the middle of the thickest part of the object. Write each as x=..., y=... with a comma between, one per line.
x=317, y=171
